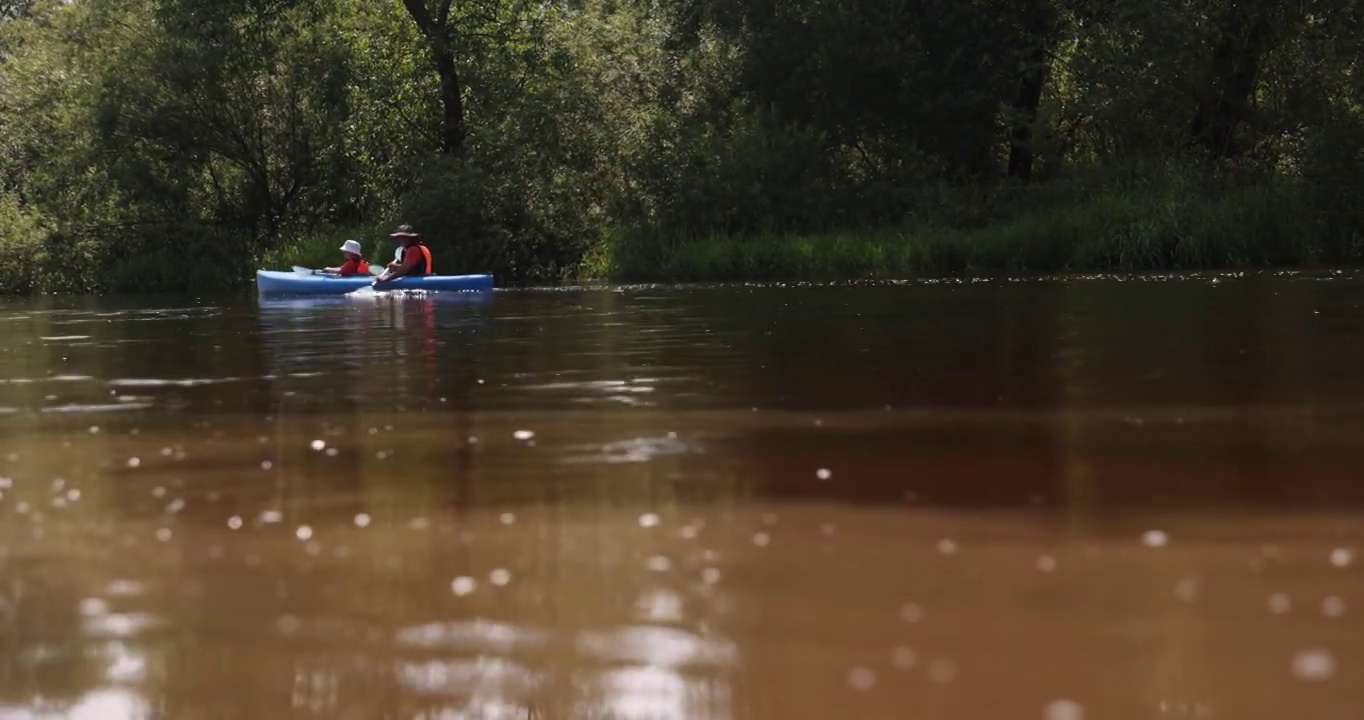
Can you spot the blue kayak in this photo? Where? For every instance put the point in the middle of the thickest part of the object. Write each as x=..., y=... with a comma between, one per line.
x=274, y=282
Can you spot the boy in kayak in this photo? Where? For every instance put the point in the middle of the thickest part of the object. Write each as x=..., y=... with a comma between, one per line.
x=415, y=257
x=354, y=264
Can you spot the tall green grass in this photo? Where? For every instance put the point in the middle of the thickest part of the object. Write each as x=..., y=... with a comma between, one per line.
x=1173, y=227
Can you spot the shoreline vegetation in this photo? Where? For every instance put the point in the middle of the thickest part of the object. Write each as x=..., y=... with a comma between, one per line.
x=150, y=145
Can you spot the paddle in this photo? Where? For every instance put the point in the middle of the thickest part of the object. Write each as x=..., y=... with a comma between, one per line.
x=300, y=270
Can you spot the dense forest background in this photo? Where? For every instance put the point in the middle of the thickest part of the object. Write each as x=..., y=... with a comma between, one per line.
x=172, y=144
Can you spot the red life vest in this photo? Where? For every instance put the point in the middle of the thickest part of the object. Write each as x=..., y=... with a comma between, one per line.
x=354, y=267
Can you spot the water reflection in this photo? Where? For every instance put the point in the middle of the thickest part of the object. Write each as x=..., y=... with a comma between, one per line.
x=1066, y=499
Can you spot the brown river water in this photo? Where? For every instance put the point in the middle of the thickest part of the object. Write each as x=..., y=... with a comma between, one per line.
x=1064, y=499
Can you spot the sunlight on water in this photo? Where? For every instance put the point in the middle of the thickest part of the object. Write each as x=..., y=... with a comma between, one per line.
x=1077, y=498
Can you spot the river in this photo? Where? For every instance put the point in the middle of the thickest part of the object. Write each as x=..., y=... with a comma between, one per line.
x=1063, y=499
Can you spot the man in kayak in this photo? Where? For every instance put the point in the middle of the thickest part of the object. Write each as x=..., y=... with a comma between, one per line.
x=354, y=264
x=415, y=258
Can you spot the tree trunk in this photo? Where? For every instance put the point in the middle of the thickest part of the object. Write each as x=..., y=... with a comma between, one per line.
x=1025, y=106
x=452, y=104
x=436, y=31
x=1040, y=24
x=1235, y=66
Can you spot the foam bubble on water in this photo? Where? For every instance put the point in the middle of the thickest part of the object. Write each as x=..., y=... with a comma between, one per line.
x=1333, y=607
x=270, y=516
x=824, y=473
x=1279, y=603
x=499, y=577
x=419, y=523
x=1063, y=709
x=1187, y=589
x=903, y=657
x=463, y=585
x=648, y=520
x=332, y=452
x=318, y=445
x=1314, y=665
x=1342, y=557
x=175, y=506
x=266, y=464
x=158, y=492
x=942, y=671
x=94, y=429
x=362, y=520
x=163, y=534
x=6, y=483
x=166, y=452
x=1046, y=563
x=710, y=576
x=761, y=539
x=947, y=546
x=523, y=434
x=687, y=532
x=303, y=532
x=134, y=462
x=769, y=519
x=911, y=612
x=659, y=563
x=507, y=518
x=288, y=624
x=861, y=678
x=94, y=607
x=828, y=529
x=58, y=485
x=235, y=522
x=1155, y=538
x=73, y=494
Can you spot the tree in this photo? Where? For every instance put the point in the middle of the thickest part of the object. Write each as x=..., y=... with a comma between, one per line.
x=435, y=28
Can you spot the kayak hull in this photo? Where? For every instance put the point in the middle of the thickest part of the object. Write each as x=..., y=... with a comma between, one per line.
x=274, y=282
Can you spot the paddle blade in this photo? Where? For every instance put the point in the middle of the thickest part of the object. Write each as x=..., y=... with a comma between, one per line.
x=376, y=271
x=304, y=271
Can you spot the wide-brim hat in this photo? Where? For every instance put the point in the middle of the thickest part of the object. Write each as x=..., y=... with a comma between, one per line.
x=351, y=246
x=404, y=230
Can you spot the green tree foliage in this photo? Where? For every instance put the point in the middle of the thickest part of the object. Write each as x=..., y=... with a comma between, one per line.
x=180, y=143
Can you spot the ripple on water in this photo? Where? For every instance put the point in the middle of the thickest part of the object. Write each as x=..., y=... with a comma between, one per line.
x=169, y=382
x=119, y=625
x=78, y=408
x=483, y=635
x=661, y=647
x=485, y=680
x=629, y=451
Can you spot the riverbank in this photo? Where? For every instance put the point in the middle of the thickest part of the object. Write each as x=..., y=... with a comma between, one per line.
x=1156, y=226
x=1255, y=226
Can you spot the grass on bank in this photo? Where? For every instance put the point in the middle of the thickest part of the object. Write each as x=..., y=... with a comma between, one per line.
x=1256, y=226
x=1152, y=225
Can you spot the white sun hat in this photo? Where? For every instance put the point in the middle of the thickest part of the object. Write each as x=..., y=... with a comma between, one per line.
x=351, y=246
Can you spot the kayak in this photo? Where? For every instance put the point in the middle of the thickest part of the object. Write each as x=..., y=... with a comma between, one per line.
x=274, y=282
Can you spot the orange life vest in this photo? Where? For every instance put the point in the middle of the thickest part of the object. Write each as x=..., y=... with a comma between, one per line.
x=424, y=263
x=354, y=267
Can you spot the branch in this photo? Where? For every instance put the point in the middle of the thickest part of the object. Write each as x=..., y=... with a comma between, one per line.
x=421, y=16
